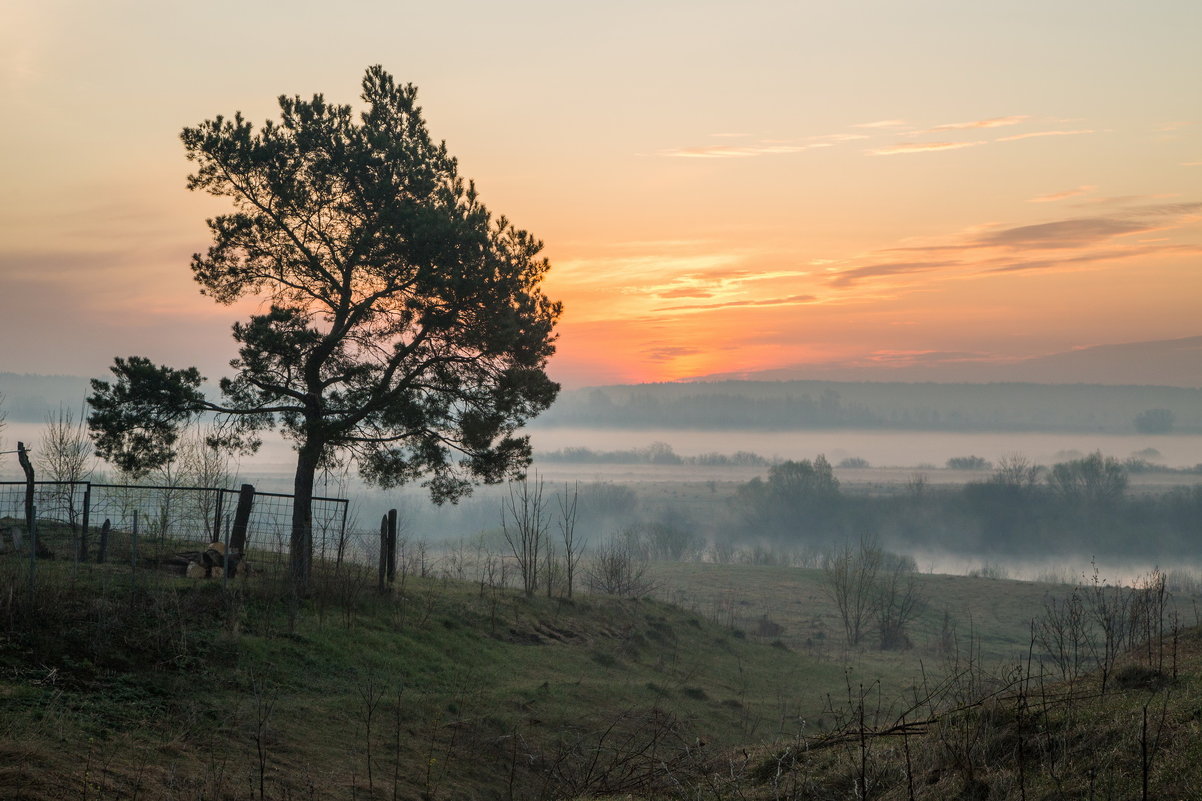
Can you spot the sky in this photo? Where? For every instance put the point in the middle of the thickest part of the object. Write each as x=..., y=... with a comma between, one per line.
x=720, y=186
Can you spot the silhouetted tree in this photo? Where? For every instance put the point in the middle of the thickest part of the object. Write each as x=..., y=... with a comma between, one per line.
x=406, y=326
x=1155, y=421
x=798, y=496
x=1095, y=481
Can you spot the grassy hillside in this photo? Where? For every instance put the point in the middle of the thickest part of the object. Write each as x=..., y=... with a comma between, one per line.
x=178, y=689
x=1008, y=735
x=117, y=683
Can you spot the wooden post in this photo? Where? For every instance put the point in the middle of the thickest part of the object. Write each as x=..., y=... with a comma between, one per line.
x=82, y=556
x=225, y=557
x=27, y=466
x=105, y=530
x=246, y=502
x=391, y=545
x=383, y=551
x=33, y=552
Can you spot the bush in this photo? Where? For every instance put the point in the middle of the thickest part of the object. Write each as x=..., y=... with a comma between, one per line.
x=1155, y=421
x=618, y=569
x=854, y=463
x=968, y=463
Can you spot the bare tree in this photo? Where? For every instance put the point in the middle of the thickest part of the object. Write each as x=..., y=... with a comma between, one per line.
x=1017, y=470
x=1095, y=482
x=524, y=523
x=1110, y=608
x=65, y=456
x=567, y=532
x=897, y=601
x=851, y=574
x=1063, y=634
x=202, y=465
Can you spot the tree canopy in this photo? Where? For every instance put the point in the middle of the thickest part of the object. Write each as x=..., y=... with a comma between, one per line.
x=402, y=324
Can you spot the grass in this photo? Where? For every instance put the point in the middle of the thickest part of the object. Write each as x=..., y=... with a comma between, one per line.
x=162, y=689
x=116, y=683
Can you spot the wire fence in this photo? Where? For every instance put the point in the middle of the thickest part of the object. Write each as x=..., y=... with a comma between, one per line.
x=160, y=527
x=147, y=534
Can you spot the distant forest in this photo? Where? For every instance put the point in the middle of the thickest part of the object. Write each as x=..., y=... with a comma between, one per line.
x=919, y=406
x=783, y=405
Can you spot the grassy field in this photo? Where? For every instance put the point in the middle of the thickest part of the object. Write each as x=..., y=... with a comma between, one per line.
x=180, y=689
x=117, y=683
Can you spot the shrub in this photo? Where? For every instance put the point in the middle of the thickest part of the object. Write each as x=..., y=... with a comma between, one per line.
x=968, y=463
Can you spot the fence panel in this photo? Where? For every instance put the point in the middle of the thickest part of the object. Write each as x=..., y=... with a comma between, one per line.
x=71, y=514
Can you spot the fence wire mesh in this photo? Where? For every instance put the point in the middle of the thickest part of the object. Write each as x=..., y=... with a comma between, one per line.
x=149, y=526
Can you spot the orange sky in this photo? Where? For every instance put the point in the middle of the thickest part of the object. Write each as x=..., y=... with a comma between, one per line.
x=721, y=186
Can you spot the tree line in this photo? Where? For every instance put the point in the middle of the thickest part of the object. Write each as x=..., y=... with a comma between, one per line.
x=924, y=406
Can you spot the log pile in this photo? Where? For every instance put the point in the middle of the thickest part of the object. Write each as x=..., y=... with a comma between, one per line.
x=209, y=563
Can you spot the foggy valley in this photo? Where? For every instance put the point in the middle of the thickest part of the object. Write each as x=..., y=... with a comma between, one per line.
x=528, y=401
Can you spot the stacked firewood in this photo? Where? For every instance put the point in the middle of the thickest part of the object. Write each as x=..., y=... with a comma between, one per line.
x=212, y=562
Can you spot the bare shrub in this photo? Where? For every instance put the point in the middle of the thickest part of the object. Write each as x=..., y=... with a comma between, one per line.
x=65, y=456
x=617, y=568
x=897, y=600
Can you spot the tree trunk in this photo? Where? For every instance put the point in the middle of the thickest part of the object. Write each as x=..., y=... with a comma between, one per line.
x=301, y=545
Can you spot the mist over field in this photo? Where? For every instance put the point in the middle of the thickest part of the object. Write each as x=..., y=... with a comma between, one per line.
x=685, y=459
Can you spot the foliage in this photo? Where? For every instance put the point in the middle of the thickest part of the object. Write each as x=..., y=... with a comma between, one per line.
x=968, y=463
x=406, y=329
x=798, y=498
x=1155, y=421
x=1094, y=482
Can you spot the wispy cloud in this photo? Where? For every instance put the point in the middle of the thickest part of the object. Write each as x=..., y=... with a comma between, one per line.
x=882, y=124
x=1034, y=134
x=993, y=122
x=669, y=352
x=791, y=300
x=740, y=151
x=1175, y=126
x=1053, y=197
x=685, y=292
x=1072, y=243
x=921, y=147
x=1064, y=233
x=839, y=137
x=846, y=278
